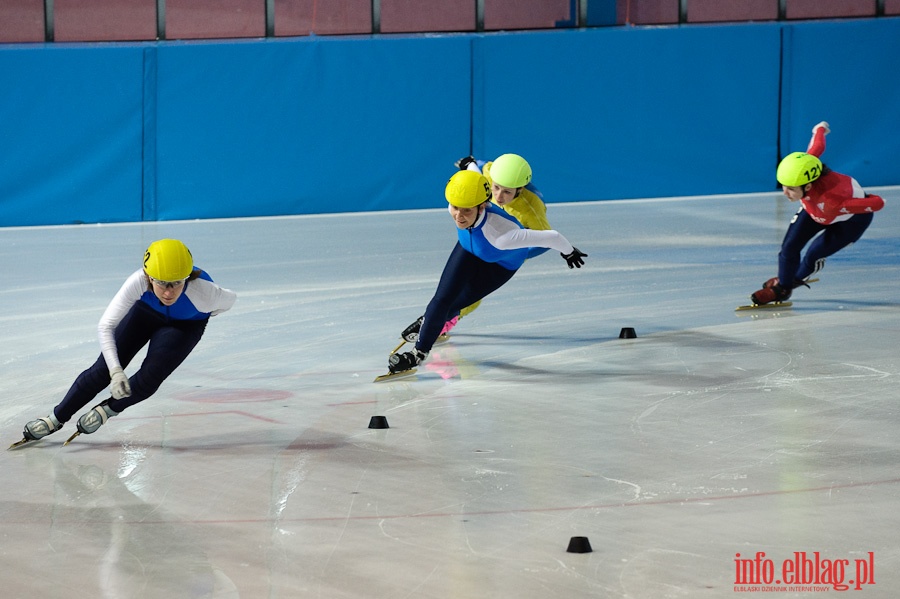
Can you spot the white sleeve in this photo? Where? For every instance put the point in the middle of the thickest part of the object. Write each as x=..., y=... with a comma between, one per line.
x=121, y=303
x=858, y=191
x=209, y=297
x=528, y=238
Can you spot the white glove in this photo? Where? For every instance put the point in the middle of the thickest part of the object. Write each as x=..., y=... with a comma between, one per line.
x=119, y=386
x=824, y=125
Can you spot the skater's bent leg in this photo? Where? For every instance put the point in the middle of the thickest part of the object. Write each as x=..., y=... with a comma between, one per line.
x=835, y=238
x=466, y=281
x=800, y=231
x=131, y=335
x=440, y=308
x=85, y=388
x=169, y=347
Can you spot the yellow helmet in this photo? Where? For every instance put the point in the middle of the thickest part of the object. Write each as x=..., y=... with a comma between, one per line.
x=467, y=189
x=168, y=260
x=798, y=169
x=511, y=170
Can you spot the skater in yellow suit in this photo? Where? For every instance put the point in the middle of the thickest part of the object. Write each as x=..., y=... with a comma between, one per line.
x=511, y=189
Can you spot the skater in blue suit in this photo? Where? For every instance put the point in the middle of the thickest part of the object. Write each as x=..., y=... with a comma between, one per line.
x=492, y=245
x=165, y=305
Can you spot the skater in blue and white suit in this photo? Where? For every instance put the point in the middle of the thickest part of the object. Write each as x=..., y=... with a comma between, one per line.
x=165, y=305
x=492, y=245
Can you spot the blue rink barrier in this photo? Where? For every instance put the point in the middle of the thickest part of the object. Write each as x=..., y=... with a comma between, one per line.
x=171, y=130
x=607, y=114
x=827, y=77
x=70, y=134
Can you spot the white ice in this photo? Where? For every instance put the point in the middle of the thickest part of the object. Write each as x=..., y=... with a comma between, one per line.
x=253, y=473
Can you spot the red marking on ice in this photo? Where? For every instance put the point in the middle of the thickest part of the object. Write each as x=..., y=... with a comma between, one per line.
x=544, y=509
x=204, y=414
x=234, y=395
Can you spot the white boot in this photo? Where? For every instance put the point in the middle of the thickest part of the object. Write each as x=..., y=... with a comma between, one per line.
x=97, y=417
x=40, y=428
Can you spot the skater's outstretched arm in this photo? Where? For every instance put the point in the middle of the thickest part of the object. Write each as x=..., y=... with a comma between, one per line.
x=817, y=142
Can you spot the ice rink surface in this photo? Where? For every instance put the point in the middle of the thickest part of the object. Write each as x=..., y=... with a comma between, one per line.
x=253, y=472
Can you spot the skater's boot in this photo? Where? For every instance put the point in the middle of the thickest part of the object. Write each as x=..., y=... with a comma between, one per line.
x=767, y=295
x=405, y=361
x=40, y=428
x=448, y=326
x=463, y=163
x=797, y=283
x=97, y=417
x=411, y=333
x=469, y=309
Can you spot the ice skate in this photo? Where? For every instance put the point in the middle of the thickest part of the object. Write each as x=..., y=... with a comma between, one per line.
x=464, y=162
x=448, y=326
x=38, y=429
x=410, y=334
x=469, y=309
x=92, y=420
x=444, y=337
x=773, y=296
x=797, y=283
x=402, y=364
x=406, y=361
x=767, y=295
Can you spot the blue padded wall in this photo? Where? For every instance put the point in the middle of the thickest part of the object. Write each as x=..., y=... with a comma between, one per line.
x=309, y=125
x=619, y=113
x=846, y=73
x=158, y=131
x=70, y=134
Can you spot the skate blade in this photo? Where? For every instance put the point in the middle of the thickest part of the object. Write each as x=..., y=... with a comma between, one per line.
x=70, y=439
x=772, y=306
x=20, y=443
x=394, y=375
x=396, y=349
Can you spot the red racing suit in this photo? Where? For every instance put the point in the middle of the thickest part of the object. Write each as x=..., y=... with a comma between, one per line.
x=835, y=197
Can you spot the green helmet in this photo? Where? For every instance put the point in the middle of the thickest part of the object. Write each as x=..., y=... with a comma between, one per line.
x=798, y=169
x=168, y=260
x=511, y=170
x=467, y=189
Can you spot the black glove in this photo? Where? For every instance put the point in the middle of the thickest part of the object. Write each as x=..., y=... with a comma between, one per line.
x=574, y=260
x=463, y=163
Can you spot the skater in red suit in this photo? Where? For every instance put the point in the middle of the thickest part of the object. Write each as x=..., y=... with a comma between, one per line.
x=832, y=204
